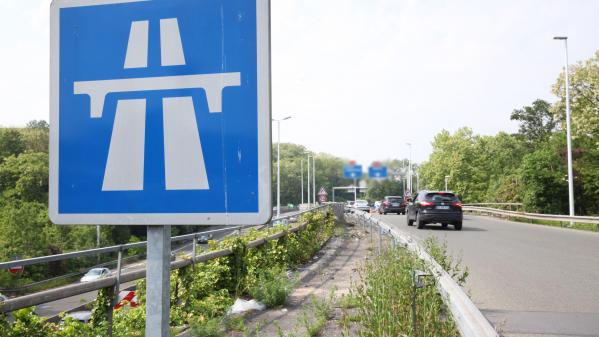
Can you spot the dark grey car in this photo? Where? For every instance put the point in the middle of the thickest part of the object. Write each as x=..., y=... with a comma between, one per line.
x=435, y=207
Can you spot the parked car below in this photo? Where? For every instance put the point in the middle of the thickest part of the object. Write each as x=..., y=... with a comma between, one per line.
x=95, y=274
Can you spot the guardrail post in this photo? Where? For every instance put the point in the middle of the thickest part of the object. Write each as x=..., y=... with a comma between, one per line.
x=116, y=290
x=380, y=238
x=194, y=248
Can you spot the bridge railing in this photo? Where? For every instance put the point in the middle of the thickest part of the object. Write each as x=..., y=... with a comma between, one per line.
x=469, y=320
x=123, y=277
x=532, y=216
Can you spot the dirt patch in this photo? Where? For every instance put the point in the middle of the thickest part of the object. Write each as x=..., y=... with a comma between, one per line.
x=328, y=276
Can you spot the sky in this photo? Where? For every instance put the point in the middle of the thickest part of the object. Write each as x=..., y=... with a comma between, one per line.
x=361, y=78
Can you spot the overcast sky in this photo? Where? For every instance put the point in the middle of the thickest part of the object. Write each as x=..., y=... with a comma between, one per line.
x=360, y=78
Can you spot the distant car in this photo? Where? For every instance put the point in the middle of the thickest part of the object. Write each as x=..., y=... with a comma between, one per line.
x=393, y=204
x=81, y=316
x=348, y=208
x=361, y=205
x=95, y=274
x=204, y=238
x=435, y=207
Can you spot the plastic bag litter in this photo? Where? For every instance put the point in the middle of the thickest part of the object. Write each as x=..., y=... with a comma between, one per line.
x=241, y=306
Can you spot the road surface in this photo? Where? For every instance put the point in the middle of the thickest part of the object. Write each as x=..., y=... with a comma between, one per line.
x=528, y=280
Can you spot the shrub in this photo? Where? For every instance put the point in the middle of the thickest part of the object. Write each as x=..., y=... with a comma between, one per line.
x=273, y=287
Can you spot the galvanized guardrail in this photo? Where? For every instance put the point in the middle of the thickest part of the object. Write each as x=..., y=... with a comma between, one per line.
x=533, y=216
x=470, y=321
x=114, y=281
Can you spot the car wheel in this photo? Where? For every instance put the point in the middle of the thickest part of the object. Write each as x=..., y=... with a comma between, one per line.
x=419, y=222
x=457, y=226
x=444, y=225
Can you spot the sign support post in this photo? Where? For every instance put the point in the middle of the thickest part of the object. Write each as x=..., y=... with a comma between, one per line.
x=158, y=281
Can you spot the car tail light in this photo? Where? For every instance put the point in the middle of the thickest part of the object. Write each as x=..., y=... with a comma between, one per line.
x=456, y=204
x=386, y=203
x=426, y=203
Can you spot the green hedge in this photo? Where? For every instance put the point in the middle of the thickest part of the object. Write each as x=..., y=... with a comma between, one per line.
x=199, y=292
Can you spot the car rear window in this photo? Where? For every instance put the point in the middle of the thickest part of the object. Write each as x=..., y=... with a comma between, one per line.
x=441, y=197
x=394, y=199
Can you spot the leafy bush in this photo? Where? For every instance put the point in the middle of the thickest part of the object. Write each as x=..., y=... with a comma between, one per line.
x=273, y=287
x=202, y=293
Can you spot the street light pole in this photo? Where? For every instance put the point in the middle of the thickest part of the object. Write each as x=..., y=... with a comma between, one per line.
x=279, y=163
x=410, y=169
x=568, y=129
x=308, y=179
x=314, y=179
x=302, y=177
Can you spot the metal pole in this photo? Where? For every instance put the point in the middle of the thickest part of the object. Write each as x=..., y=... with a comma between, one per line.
x=98, y=236
x=355, y=190
x=568, y=131
x=117, y=285
x=410, y=170
x=314, y=179
x=308, y=179
x=158, y=281
x=417, y=181
x=446, y=178
x=302, y=177
x=278, y=168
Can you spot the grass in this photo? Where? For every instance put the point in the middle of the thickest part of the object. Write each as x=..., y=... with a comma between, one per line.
x=273, y=287
x=383, y=296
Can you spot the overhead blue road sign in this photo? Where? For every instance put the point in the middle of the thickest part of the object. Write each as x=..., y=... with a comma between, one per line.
x=160, y=112
x=377, y=172
x=352, y=171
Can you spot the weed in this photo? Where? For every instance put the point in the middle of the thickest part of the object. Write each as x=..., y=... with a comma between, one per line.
x=208, y=328
x=273, y=287
x=384, y=297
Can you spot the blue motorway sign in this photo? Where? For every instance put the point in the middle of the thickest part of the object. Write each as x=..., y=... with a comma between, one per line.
x=159, y=112
x=352, y=171
x=377, y=172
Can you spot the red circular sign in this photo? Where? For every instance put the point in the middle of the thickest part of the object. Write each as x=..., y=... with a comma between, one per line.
x=16, y=269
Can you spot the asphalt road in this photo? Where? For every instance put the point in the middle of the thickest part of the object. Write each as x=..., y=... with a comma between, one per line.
x=528, y=280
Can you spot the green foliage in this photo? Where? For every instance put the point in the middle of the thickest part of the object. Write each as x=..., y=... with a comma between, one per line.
x=272, y=287
x=384, y=298
x=204, y=291
x=11, y=143
x=453, y=266
x=537, y=122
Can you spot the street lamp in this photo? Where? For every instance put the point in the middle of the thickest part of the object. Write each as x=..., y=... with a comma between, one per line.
x=279, y=163
x=568, y=130
x=309, y=156
x=410, y=169
x=446, y=179
x=302, y=178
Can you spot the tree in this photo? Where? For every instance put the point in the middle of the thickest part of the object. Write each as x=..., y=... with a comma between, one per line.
x=537, y=122
x=25, y=177
x=11, y=143
x=584, y=98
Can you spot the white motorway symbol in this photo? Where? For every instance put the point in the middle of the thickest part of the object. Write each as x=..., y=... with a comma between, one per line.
x=183, y=157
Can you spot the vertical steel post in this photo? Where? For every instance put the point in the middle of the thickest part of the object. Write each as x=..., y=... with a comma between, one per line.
x=308, y=180
x=117, y=285
x=158, y=281
x=194, y=249
x=302, y=178
x=314, y=179
x=380, y=238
